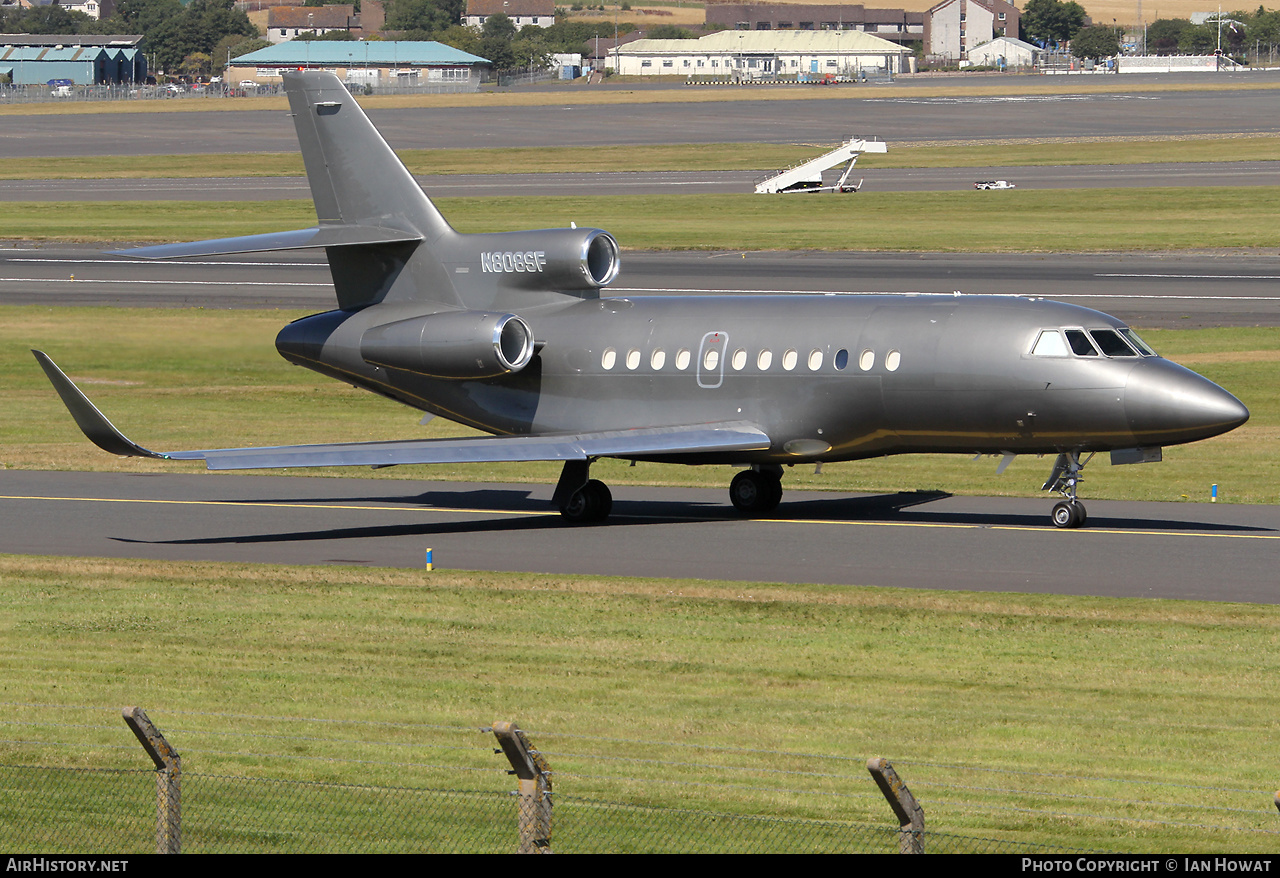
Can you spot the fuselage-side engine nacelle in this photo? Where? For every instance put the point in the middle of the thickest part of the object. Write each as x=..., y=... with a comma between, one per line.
x=451, y=344
x=569, y=260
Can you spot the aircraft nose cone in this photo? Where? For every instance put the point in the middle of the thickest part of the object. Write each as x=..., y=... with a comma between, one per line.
x=1167, y=404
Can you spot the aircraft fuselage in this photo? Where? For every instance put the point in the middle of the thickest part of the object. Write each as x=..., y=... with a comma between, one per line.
x=829, y=377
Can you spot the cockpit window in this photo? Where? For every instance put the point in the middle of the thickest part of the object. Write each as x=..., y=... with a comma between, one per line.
x=1080, y=343
x=1049, y=344
x=1132, y=337
x=1111, y=343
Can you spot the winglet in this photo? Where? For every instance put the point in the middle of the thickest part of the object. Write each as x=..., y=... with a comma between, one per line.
x=93, y=423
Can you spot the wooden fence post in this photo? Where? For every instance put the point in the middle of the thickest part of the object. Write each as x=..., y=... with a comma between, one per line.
x=905, y=807
x=168, y=780
x=534, y=775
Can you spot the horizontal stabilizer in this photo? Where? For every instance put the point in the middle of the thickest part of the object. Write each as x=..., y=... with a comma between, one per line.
x=299, y=239
x=647, y=442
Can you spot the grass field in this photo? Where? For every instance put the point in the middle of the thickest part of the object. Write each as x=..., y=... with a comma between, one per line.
x=662, y=157
x=1014, y=221
x=671, y=90
x=1090, y=723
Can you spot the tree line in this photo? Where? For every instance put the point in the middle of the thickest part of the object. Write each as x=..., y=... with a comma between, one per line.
x=201, y=36
x=1059, y=22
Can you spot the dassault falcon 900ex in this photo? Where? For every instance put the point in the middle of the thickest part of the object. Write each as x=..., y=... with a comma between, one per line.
x=509, y=333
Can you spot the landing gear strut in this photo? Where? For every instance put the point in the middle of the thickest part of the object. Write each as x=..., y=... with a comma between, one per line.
x=582, y=500
x=1066, y=476
x=757, y=491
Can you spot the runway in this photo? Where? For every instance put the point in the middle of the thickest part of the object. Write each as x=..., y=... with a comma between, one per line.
x=1163, y=550
x=1148, y=290
x=903, y=117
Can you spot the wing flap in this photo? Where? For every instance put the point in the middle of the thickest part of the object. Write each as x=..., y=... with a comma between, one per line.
x=720, y=437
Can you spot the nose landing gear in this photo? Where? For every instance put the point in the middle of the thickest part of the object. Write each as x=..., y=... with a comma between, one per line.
x=1066, y=476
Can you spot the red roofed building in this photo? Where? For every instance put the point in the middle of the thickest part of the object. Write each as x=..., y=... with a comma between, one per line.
x=287, y=22
x=541, y=13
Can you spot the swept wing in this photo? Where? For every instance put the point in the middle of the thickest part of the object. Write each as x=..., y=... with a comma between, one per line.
x=645, y=442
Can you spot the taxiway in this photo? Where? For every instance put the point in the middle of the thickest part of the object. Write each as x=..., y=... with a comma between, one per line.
x=1164, y=550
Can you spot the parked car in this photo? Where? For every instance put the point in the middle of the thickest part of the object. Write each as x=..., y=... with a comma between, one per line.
x=994, y=184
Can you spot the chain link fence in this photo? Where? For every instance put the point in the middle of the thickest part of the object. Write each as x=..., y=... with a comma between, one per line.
x=44, y=94
x=252, y=784
x=69, y=811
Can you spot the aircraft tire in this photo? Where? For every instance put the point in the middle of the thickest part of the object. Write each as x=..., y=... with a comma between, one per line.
x=1068, y=514
x=755, y=493
x=592, y=503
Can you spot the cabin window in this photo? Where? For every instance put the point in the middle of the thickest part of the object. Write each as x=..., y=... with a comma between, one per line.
x=815, y=360
x=867, y=360
x=1049, y=344
x=739, y=360
x=765, y=360
x=842, y=359
x=789, y=359
x=633, y=359
x=608, y=359
x=658, y=360
x=1143, y=348
x=711, y=359
x=1080, y=343
x=1111, y=343
x=682, y=359
x=893, y=360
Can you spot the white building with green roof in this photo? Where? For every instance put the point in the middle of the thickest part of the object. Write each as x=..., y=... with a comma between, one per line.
x=761, y=55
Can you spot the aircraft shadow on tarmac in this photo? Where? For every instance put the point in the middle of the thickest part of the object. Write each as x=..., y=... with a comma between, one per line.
x=513, y=507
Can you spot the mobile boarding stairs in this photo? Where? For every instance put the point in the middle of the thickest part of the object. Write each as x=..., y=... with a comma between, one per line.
x=807, y=176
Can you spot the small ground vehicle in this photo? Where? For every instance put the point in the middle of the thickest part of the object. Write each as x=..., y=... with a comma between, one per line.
x=994, y=184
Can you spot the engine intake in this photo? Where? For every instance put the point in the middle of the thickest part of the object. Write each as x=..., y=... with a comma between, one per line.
x=451, y=344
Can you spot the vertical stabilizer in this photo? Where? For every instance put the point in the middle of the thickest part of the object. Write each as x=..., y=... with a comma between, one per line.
x=355, y=177
x=357, y=180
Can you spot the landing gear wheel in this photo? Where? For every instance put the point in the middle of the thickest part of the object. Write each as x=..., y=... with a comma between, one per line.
x=755, y=493
x=1068, y=513
x=591, y=503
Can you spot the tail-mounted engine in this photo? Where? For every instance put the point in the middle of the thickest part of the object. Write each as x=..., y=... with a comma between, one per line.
x=451, y=344
x=547, y=259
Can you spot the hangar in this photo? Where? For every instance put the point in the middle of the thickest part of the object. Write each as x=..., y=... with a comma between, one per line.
x=34, y=59
x=761, y=55
x=375, y=63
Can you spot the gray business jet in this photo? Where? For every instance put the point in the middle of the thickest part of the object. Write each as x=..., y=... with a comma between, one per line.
x=509, y=333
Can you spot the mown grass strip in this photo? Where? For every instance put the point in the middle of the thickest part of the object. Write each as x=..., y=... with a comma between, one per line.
x=177, y=379
x=662, y=157
x=1102, y=708
x=1062, y=221
x=675, y=92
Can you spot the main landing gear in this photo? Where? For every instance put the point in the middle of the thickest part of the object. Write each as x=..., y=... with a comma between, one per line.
x=1066, y=476
x=584, y=500
x=757, y=491
x=580, y=498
